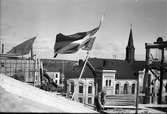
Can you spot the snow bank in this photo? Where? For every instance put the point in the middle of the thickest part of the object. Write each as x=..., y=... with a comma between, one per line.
x=47, y=99
x=14, y=103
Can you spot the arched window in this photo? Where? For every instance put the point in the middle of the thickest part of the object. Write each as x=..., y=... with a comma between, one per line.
x=109, y=82
x=106, y=83
x=126, y=88
x=90, y=89
x=133, y=88
x=81, y=88
x=117, y=89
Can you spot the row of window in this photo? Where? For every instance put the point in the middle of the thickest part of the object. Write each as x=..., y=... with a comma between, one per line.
x=81, y=88
x=108, y=83
x=80, y=99
x=125, y=89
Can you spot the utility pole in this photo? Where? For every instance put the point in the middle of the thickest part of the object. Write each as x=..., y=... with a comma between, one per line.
x=137, y=92
x=161, y=77
x=0, y=45
x=146, y=77
x=2, y=48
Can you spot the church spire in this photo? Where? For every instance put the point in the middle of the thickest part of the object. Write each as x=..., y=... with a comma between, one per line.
x=130, y=50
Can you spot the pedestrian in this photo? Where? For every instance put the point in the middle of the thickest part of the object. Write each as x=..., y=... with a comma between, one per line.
x=102, y=95
x=96, y=103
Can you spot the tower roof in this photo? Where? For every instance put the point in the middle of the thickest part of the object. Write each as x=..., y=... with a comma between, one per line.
x=130, y=50
x=130, y=41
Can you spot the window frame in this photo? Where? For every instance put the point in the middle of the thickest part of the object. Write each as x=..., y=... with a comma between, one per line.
x=133, y=88
x=81, y=89
x=117, y=90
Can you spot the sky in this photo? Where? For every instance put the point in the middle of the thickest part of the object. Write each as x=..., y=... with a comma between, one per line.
x=21, y=20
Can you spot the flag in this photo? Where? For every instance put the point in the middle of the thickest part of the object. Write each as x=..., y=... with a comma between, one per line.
x=23, y=48
x=67, y=44
x=89, y=44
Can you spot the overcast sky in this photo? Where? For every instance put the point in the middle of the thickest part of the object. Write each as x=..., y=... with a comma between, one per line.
x=24, y=19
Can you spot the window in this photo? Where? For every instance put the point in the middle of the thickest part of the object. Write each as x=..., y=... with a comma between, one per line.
x=72, y=87
x=109, y=82
x=90, y=89
x=80, y=88
x=80, y=99
x=89, y=100
x=2, y=65
x=126, y=89
x=106, y=82
x=133, y=88
x=56, y=81
x=56, y=75
x=117, y=89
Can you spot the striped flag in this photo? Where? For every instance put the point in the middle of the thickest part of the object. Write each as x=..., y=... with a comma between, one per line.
x=23, y=48
x=88, y=44
x=67, y=44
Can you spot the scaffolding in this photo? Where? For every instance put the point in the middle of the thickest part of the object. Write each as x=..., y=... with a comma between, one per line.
x=26, y=67
x=152, y=66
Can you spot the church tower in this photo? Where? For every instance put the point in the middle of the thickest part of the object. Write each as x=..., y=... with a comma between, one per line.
x=130, y=50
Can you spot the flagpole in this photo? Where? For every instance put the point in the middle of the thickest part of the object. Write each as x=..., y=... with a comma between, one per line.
x=82, y=71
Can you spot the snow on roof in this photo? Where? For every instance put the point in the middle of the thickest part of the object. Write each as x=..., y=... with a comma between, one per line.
x=43, y=97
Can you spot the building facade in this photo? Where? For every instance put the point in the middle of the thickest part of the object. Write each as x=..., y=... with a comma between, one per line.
x=83, y=90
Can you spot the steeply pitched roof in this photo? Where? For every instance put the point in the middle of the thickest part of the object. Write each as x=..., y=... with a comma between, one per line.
x=124, y=70
x=72, y=69
x=57, y=65
x=130, y=41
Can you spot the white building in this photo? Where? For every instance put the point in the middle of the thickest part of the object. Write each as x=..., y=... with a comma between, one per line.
x=84, y=90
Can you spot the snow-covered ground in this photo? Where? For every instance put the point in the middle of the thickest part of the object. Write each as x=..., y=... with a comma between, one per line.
x=17, y=96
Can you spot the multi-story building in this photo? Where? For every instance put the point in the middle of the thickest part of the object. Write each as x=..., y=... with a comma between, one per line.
x=56, y=69
x=84, y=90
